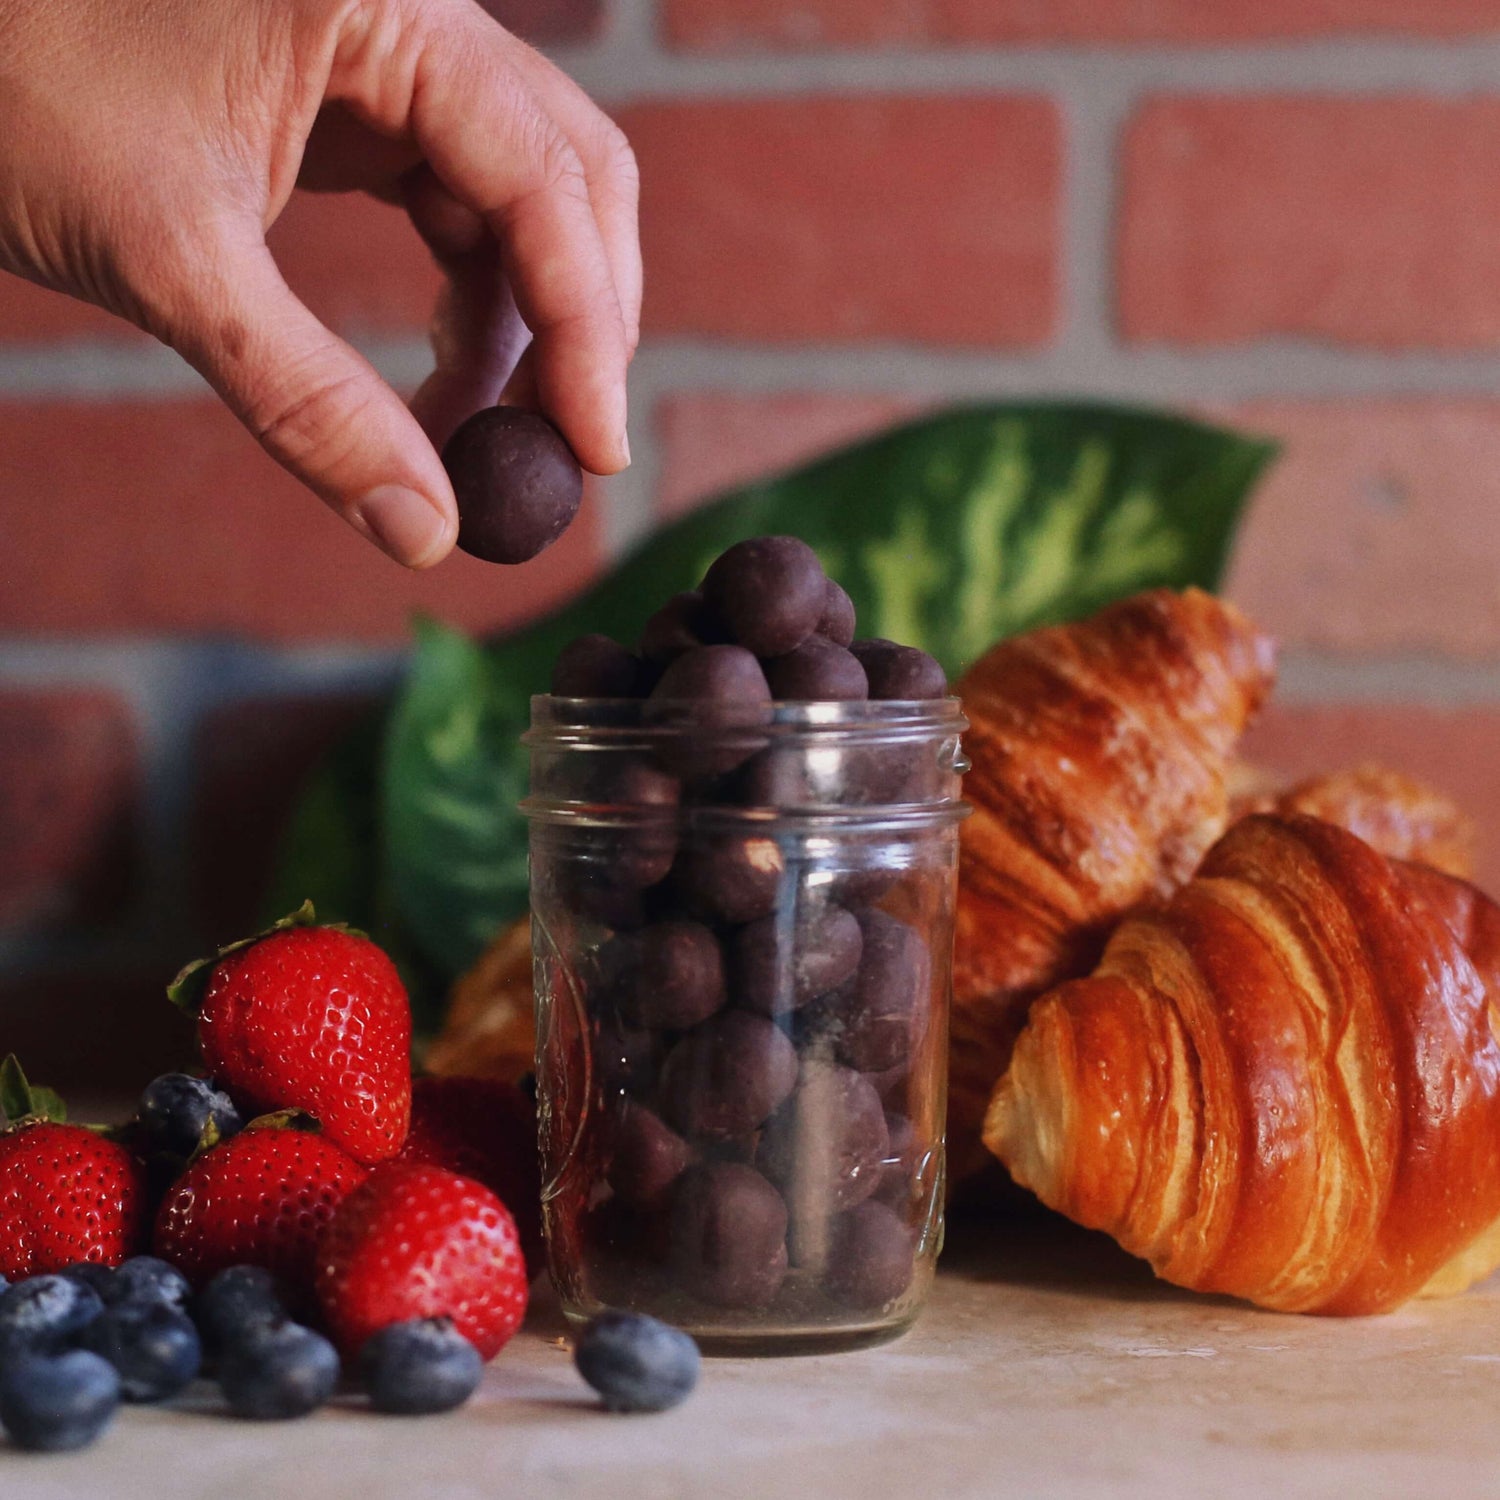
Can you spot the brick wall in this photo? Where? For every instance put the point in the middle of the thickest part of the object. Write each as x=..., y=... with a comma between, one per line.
x=1285, y=214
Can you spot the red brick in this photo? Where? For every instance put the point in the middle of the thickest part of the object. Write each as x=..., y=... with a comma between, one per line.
x=726, y=25
x=1376, y=529
x=356, y=262
x=549, y=21
x=101, y=1034
x=165, y=516
x=250, y=762
x=1453, y=749
x=1360, y=221
x=31, y=315
x=68, y=782
x=927, y=219
x=717, y=440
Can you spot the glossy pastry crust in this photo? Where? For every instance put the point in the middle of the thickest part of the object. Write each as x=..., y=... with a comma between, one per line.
x=1099, y=757
x=1283, y=1084
x=1394, y=813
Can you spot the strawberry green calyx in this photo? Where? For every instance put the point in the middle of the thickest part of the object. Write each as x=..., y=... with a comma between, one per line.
x=23, y=1103
x=287, y=1119
x=186, y=991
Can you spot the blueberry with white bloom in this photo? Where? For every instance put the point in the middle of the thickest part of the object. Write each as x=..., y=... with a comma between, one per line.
x=637, y=1363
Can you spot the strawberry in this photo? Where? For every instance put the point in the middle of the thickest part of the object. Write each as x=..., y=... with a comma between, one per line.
x=420, y=1242
x=308, y=1018
x=483, y=1128
x=67, y=1193
x=263, y=1198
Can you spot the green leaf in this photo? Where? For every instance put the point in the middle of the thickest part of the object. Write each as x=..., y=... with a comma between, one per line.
x=329, y=853
x=949, y=534
x=187, y=988
x=21, y=1100
x=449, y=794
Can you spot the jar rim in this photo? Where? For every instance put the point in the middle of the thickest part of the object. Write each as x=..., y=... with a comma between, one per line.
x=556, y=720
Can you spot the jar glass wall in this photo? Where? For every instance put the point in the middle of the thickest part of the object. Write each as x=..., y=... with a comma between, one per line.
x=743, y=942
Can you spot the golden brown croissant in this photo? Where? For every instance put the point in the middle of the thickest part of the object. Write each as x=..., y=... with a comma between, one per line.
x=1394, y=813
x=1099, y=755
x=1283, y=1084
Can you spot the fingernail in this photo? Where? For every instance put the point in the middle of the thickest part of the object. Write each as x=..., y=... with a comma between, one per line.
x=625, y=444
x=403, y=523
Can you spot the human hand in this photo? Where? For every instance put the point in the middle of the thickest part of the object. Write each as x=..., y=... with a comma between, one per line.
x=146, y=148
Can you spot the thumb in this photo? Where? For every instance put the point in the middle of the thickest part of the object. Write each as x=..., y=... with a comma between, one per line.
x=315, y=404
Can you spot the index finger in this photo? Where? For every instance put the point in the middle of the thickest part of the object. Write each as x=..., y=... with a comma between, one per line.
x=487, y=137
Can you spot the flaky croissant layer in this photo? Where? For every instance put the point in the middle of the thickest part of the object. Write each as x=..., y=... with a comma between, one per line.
x=1099, y=752
x=1283, y=1084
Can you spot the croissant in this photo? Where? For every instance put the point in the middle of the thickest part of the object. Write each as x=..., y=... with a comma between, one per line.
x=1283, y=1085
x=1099, y=756
x=1394, y=813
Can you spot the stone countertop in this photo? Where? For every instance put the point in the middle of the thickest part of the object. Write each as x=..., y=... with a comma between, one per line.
x=1048, y=1364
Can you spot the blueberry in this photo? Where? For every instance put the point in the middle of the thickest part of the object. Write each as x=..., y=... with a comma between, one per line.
x=91, y=1274
x=45, y=1312
x=637, y=1363
x=154, y=1348
x=144, y=1278
x=237, y=1303
x=176, y=1107
x=418, y=1367
x=52, y=1405
x=281, y=1370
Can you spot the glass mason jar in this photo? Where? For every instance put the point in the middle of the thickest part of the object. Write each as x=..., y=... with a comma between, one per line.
x=742, y=927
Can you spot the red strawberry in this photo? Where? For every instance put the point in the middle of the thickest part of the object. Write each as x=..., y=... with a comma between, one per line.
x=66, y=1193
x=263, y=1198
x=418, y=1242
x=309, y=1018
x=483, y=1128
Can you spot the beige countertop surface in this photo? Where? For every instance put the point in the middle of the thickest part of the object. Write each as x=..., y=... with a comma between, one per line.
x=1047, y=1364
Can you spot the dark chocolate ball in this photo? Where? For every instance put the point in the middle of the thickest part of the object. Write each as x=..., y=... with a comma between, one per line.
x=626, y=1058
x=726, y=1077
x=776, y=965
x=900, y=671
x=730, y=877
x=729, y=1235
x=817, y=671
x=872, y=1257
x=871, y=1022
x=683, y=622
x=825, y=1148
x=837, y=622
x=596, y=894
x=594, y=666
x=517, y=483
x=770, y=592
x=675, y=975
x=641, y=852
x=903, y=1161
x=646, y=1158
x=716, y=699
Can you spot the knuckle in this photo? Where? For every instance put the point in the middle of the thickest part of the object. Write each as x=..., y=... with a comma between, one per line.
x=620, y=165
x=302, y=421
x=555, y=166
